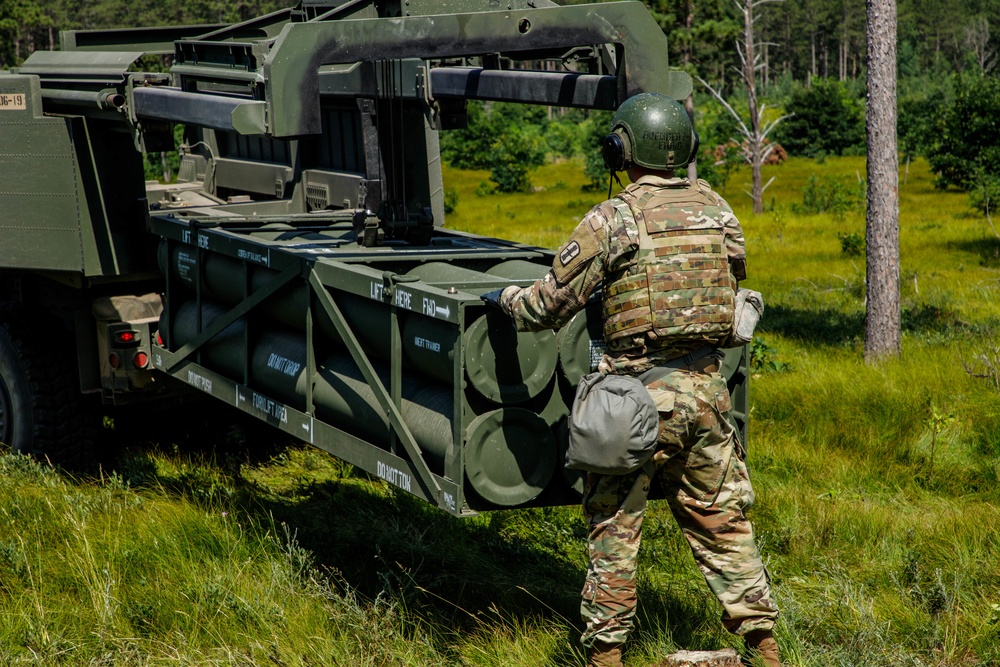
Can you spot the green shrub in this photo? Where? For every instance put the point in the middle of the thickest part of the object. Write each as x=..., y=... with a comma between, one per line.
x=764, y=358
x=965, y=146
x=827, y=118
x=984, y=192
x=562, y=134
x=514, y=154
x=504, y=138
x=594, y=131
x=852, y=244
x=718, y=172
x=917, y=117
x=830, y=194
x=450, y=200
x=470, y=147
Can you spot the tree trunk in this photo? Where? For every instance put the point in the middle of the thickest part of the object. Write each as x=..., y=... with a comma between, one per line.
x=750, y=79
x=844, y=48
x=826, y=58
x=812, y=56
x=688, y=22
x=882, y=324
x=752, y=132
x=767, y=71
x=786, y=51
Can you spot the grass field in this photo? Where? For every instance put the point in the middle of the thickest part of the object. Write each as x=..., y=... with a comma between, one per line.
x=878, y=492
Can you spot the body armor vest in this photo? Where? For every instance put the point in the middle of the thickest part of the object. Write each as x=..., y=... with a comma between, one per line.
x=676, y=286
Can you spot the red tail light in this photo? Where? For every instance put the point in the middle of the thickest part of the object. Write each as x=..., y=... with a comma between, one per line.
x=126, y=337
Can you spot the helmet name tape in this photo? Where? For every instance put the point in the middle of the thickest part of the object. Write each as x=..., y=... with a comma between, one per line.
x=667, y=140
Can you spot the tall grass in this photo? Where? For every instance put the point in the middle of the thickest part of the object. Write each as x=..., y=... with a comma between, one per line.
x=98, y=573
x=878, y=491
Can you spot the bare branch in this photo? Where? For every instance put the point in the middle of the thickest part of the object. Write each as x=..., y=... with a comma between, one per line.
x=809, y=282
x=769, y=181
x=740, y=53
x=977, y=39
x=766, y=130
x=743, y=128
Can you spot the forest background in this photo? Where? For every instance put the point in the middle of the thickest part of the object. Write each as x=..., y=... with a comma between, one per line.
x=811, y=65
x=208, y=543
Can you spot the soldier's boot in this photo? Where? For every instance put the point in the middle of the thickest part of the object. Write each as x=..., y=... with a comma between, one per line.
x=604, y=655
x=763, y=642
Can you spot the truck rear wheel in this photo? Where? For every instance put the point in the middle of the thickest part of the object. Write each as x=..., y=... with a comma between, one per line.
x=41, y=408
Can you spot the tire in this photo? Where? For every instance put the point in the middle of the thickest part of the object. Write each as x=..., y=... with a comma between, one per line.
x=42, y=412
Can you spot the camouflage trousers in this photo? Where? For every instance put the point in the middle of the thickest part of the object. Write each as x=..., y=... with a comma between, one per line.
x=702, y=471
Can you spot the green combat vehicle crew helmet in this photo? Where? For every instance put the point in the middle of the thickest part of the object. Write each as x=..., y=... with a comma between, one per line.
x=650, y=130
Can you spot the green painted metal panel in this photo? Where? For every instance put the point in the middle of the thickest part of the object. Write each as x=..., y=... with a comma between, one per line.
x=93, y=66
x=394, y=469
x=147, y=40
x=41, y=178
x=71, y=188
x=437, y=7
x=510, y=455
x=292, y=65
x=39, y=182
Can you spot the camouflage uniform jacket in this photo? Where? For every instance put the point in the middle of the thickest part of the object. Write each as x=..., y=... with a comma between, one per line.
x=604, y=242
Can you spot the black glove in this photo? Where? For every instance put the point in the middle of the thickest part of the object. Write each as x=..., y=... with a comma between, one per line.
x=493, y=299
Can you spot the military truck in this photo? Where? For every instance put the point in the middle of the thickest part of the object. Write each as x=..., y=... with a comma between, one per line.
x=299, y=269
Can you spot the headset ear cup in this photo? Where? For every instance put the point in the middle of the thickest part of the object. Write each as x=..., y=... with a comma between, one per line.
x=613, y=152
x=695, y=145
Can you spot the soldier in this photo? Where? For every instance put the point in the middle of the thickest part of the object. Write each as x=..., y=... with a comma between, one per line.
x=668, y=255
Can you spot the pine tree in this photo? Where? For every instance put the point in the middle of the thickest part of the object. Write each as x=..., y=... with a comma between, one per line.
x=882, y=325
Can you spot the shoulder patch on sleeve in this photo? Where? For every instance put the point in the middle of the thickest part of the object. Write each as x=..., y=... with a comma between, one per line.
x=575, y=255
x=569, y=252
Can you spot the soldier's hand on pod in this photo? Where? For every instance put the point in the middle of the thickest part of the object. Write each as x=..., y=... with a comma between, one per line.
x=493, y=299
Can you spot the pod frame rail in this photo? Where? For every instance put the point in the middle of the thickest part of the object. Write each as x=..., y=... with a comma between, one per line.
x=325, y=258
x=343, y=267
